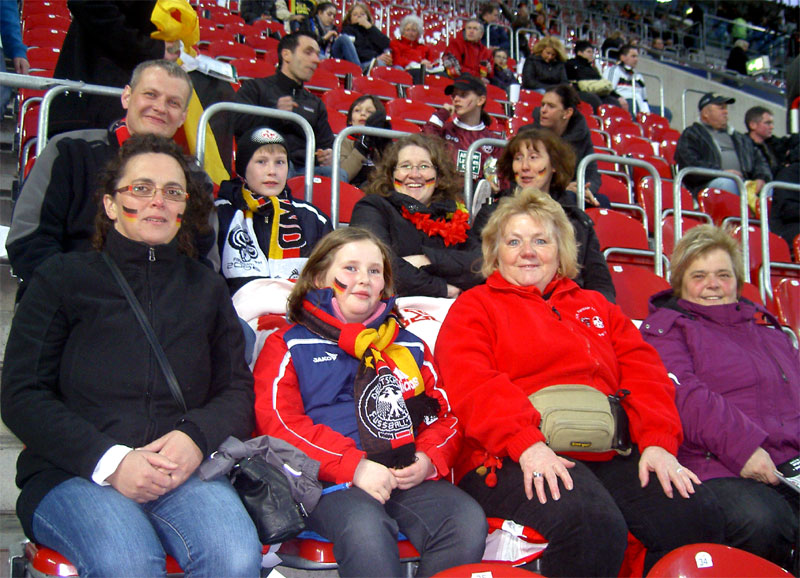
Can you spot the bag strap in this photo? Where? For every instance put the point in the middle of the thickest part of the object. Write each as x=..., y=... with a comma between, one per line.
x=172, y=381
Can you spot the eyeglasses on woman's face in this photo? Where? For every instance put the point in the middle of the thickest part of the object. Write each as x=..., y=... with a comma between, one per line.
x=172, y=193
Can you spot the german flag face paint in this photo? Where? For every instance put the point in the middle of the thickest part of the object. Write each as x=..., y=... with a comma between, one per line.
x=129, y=213
x=415, y=173
x=532, y=166
x=338, y=286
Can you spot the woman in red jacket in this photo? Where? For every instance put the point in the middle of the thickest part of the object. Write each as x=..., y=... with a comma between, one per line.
x=531, y=327
x=409, y=51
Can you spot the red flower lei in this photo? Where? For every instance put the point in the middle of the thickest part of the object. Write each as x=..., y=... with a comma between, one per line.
x=453, y=231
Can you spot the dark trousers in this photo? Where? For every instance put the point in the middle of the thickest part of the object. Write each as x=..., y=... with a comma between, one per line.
x=443, y=523
x=759, y=518
x=587, y=528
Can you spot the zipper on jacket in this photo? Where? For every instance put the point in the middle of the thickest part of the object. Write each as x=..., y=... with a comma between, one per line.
x=151, y=422
x=151, y=255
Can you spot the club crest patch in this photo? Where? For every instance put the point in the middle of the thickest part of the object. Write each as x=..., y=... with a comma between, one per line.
x=383, y=410
x=591, y=318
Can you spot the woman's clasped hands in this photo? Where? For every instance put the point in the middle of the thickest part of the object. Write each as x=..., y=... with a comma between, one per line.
x=379, y=481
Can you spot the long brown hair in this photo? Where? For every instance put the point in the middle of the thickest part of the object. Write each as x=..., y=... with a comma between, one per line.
x=448, y=184
x=562, y=157
x=321, y=259
x=198, y=205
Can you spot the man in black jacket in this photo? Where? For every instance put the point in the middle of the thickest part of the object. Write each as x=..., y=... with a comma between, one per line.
x=298, y=58
x=712, y=144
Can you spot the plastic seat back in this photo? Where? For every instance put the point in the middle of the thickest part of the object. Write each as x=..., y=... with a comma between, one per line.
x=409, y=110
x=787, y=303
x=714, y=561
x=381, y=88
x=349, y=195
x=339, y=99
x=634, y=287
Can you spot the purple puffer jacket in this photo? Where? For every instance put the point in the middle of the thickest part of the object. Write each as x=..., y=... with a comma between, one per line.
x=737, y=382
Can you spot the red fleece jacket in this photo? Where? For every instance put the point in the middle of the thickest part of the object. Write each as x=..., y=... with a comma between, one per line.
x=501, y=342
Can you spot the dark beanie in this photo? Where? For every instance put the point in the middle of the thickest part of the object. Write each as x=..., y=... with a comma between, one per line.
x=251, y=141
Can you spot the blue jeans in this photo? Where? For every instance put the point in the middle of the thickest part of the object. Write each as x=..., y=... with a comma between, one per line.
x=203, y=525
x=724, y=184
x=344, y=49
x=444, y=524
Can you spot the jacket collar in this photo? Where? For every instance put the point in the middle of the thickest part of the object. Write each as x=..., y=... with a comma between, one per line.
x=436, y=209
x=128, y=252
x=743, y=311
x=558, y=286
x=286, y=83
x=323, y=298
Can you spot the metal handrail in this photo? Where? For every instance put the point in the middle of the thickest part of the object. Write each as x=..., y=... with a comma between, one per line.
x=507, y=27
x=743, y=207
x=765, y=285
x=200, y=151
x=468, y=171
x=683, y=102
x=659, y=248
x=337, y=161
x=517, y=42
x=660, y=90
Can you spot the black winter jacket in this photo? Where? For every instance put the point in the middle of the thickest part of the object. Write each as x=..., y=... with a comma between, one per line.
x=593, y=271
x=266, y=92
x=697, y=148
x=579, y=138
x=537, y=74
x=456, y=264
x=369, y=42
x=80, y=376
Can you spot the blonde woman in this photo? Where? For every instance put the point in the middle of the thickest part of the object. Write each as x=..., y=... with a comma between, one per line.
x=545, y=68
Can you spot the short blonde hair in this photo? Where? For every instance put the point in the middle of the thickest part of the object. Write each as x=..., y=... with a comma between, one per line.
x=699, y=241
x=542, y=208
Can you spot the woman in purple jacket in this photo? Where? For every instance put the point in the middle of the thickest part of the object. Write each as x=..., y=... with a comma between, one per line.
x=737, y=391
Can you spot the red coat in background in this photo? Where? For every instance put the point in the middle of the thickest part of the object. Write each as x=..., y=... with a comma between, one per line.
x=470, y=55
x=404, y=52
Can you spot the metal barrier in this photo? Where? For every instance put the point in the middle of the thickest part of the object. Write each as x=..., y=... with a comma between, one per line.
x=337, y=161
x=44, y=107
x=659, y=247
x=468, y=173
x=489, y=35
x=765, y=283
x=200, y=151
x=660, y=91
x=683, y=103
x=516, y=45
x=743, y=207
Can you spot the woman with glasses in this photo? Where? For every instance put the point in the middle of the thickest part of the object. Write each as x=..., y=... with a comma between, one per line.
x=107, y=473
x=414, y=205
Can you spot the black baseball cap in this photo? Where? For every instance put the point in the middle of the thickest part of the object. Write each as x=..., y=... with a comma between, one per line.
x=468, y=83
x=714, y=98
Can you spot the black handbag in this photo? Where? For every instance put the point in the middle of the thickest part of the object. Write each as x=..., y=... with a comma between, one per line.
x=267, y=497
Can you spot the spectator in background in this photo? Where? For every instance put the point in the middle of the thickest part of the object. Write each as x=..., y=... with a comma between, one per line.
x=559, y=113
x=293, y=13
x=468, y=54
x=592, y=87
x=322, y=24
x=497, y=35
x=104, y=43
x=252, y=10
x=11, y=46
x=737, y=391
x=409, y=52
x=360, y=152
x=502, y=75
x=778, y=151
x=611, y=45
x=463, y=122
x=545, y=68
x=56, y=208
x=711, y=144
x=371, y=44
x=737, y=58
x=298, y=58
x=628, y=83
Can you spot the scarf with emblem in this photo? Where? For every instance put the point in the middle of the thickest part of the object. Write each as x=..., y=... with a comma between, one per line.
x=389, y=390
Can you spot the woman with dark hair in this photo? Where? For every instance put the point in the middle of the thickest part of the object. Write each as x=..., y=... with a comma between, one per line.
x=545, y=68
x=107, y=473
x=358, y=152
x=538, y=158
x=414, y=205
x=355, y=390
x=322, y=25
x=371, y=44
x=559, y=112
x=737, y=391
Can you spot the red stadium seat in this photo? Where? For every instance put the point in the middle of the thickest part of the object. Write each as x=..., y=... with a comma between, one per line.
x=439, y=82
x=645, y=196
x=714, y=561
x=523, y=109
x=341, y=68
x=611, y=110
x=666, y=150
x=348, y=195
x=617, y=189
x=652, y=123
x=668, y=233
x=262, y=44
x=667, y=134
x=585, y=109
x=228, y=51
x=428, y=95
x=322, y=82
x=624, y=144
x=393, y=75
x=778, y=252
x=44, y=58
x=662, y=167
x=249, y=68
x=215, y=35
x=719, y=204
x=787, y=303
x=600, y=138
x=623, y=239
x=634, y=287
x=43, y=37
x=496, y=93
x=417, y=112
x=50, y=21
x=404, y=125
x=54, y=7
x=531, y=97
x=339, y=99
x=316, y=553
x=516, y=122
x=495, y=109
x=383, y=89
x=616, y=125
x=796, y=249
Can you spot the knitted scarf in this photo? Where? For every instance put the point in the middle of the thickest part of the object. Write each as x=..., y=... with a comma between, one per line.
x=389, y=390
